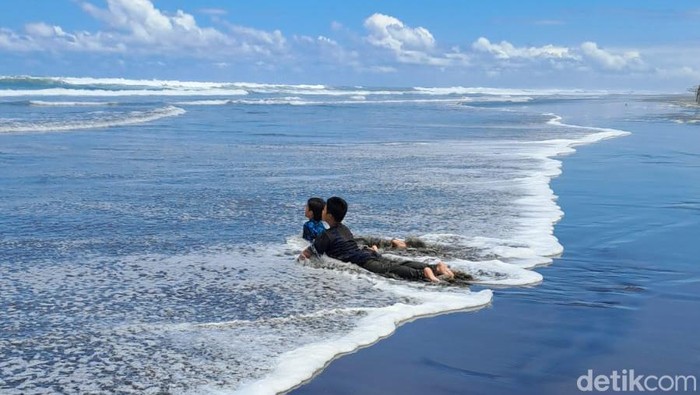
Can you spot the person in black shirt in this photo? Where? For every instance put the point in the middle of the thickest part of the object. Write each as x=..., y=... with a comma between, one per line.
x=339, y=243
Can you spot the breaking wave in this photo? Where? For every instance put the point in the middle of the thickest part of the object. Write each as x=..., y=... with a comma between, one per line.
x=90, y=121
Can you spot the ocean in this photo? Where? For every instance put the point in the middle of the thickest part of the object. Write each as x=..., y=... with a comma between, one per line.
x=150, y=228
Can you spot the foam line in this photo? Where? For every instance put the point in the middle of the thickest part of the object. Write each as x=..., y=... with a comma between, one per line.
x=499, y=273
x=299, y=365
x=603, y=133
x=134, y=117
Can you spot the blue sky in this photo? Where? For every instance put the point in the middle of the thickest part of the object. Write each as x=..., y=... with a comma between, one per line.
x=638, y=45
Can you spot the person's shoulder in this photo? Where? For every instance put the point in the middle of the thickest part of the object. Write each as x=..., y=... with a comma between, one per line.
x=345, y=230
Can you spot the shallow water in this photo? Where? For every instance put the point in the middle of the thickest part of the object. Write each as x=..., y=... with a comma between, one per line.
x=623, y=295
x=149, y=238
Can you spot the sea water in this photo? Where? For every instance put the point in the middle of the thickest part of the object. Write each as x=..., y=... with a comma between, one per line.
x=150, y=228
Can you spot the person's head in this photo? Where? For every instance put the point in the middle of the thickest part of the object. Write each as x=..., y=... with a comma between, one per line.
x=314, y=208
x=335, y=210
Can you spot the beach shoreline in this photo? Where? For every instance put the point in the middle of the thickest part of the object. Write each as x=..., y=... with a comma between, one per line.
x=624, y=284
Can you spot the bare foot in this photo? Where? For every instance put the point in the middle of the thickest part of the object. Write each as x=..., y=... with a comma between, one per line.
x=398, y=243
x=428, y=273
x=445, y=270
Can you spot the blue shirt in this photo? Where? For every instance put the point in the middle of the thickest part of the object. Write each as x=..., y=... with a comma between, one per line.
x=313, y=229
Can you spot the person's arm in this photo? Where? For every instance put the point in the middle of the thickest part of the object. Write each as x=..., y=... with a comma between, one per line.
x=306, y=254
x=318, y=247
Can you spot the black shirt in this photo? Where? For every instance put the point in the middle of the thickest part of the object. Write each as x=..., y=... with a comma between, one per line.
x=338, y=243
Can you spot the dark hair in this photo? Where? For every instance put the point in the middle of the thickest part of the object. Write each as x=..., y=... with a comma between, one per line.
x=337, y=207
x=316, y=206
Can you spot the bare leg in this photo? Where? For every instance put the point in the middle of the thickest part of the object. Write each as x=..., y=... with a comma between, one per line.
x=428, y=273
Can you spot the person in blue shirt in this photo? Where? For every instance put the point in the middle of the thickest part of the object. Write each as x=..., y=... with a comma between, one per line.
x=314, y=226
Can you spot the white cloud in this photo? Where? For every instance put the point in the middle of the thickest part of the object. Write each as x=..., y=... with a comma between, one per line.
x=146, y=25
x=386, y=45
x=43, y=30
x=254, y=41
x=138, y=27
x=506, y=50
x=585, y=58
x=326, y=40
x=388, y=32
x=43, y=37
x=10, y=41
x=609, y=60
x=406, y=44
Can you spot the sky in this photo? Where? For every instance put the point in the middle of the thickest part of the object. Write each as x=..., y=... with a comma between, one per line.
x=595, y=44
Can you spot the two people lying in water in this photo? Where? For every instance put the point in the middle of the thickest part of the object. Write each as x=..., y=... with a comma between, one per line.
x=339, y=243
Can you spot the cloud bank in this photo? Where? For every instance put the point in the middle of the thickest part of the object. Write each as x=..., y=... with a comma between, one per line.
x=386, y=46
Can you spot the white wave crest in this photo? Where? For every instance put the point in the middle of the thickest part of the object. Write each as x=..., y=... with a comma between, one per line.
x=116, y=93
x=42, y=103
x=120, y=119
x=497, y=99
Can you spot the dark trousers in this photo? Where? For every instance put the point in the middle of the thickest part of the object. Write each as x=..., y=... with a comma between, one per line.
x=410, y=270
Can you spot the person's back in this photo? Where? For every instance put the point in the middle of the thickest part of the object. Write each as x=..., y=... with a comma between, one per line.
x=313, y=229
x=313, y=211
x=338, y=242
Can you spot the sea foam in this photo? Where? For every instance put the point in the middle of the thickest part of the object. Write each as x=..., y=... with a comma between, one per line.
x=246, y=317
x=97, y=121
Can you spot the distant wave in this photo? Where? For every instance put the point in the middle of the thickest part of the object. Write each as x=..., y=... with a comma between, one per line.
x=301, y=102
x=460, y=90
x=26, y=85
x=270, y=101
x=496, y=99
x=99, y=121
x=41, y=103
x=70, y=86
x=115, y=93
